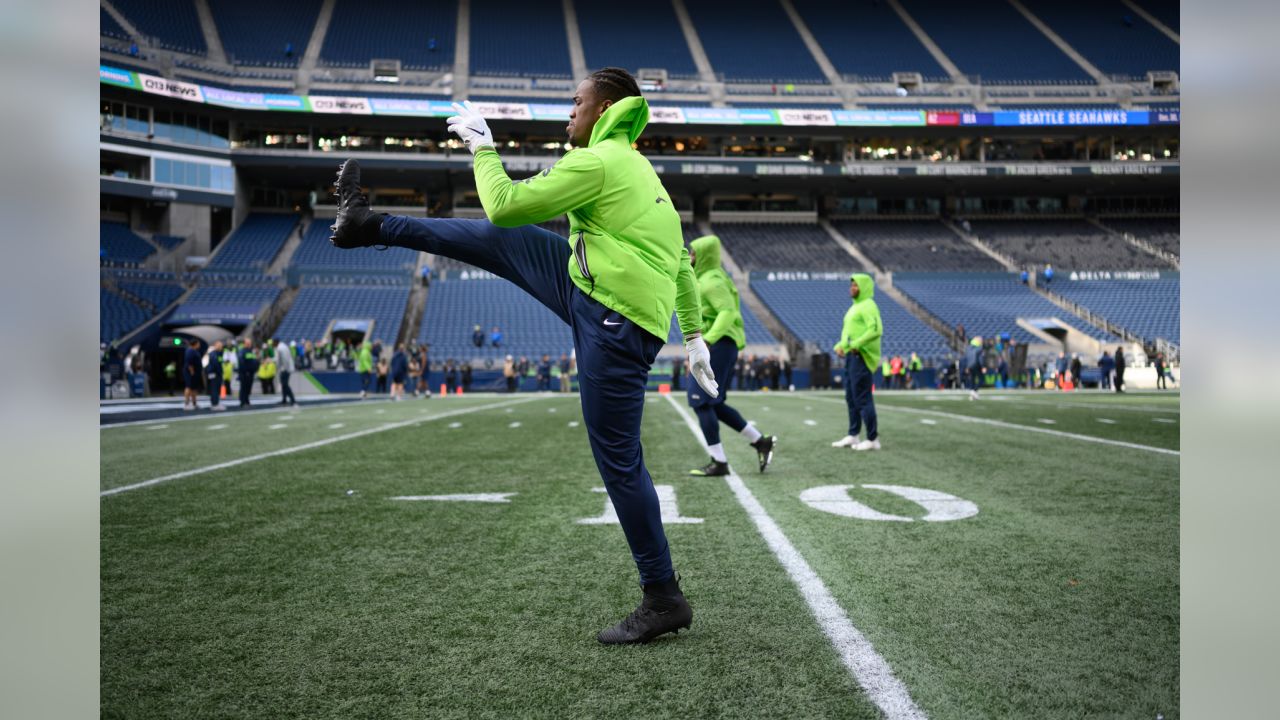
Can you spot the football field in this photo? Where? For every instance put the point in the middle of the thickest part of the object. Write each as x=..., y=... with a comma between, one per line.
x=1011, y=557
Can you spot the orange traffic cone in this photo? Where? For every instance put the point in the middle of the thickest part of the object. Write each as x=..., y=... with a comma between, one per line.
x=443, y=390
x=459, y=390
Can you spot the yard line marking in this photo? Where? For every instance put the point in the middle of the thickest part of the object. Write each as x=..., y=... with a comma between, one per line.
x=573, y=423
x=222, y=416
x=515, y=424
x=1026, y=428
x=1163, y=420
x=1106, y=421
x=309, y=446
x=810, y=422
x=473, y=497
x=335, y=426
x=277, y=426
x=927, y=421
x=452, y=424
x=157, y=427
x=219, y=426
x=868, y=668
x=1093, y=406
x=1046, y=421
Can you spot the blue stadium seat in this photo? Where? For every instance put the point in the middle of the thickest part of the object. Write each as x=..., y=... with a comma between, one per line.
x=755, y=330
x=360, y=32
x=121, y=246
x=174, y=25
x=315, y=307
x=1064, y=243
x=455, y=305
x=232, y=295
x=252, y=245
x=1149, y=308
x=520, y=39
x=317, y=253
x=783, y=246
x=653, y=39
x=168, y=242
x=1164, y=233
x=991, y=39
x=256, y=33
x=867, y=39
x=117, y=316
x=753, y=41
x=927, y=246
x=1109, y=35
x=987, y=304
x=160, y=295
x=108, y=26
x=813, y=310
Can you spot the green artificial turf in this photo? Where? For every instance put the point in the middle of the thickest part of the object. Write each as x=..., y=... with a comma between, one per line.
x=267, y=589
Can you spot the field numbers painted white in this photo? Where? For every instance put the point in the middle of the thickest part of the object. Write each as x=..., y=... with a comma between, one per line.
x=941, y=506
x=462, y=497
x=666, y=503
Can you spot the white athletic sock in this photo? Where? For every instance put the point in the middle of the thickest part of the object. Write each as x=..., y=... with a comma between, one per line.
x=717, y=452
x=751, y=433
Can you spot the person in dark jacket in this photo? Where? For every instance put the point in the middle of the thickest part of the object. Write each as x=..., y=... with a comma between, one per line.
x=213, y=376
x=544, y=374
x=399, y=372
x=677, y=367
x=1076, y=368
x=1119, y=369
x=973, y=368
x=191, y=375
x=477, y=336
x=247, y=367
x=1106, y=366
x=1160, y=370
x=465, y=373
x=450, y=376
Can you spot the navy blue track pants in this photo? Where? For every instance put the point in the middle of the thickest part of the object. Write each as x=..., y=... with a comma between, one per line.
x=857, y=395
x=614, y=356
x=713, y=411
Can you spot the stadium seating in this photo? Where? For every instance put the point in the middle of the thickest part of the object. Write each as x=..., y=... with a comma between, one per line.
x=755, y=330
x=867, y=39
x=524, y=38
x=653, y=39
x=121, y=246
x=317, y=253
x=779, y=246
x=918, y=245
x=160, y=295
x=252, y=245
x=1064, y=243
x=1164, y=233
x=173, y=25
x=361, y=31
x=1109, y=35
x=987, y=304
x=168, y=242
x=116, y=315
x=315, y=307
x=991, y=39
x=256, y=33
x=232, y=295
x=1148, y=308
x=753, y=41
x=108, y=26
x=813, y=310
x=455, y=305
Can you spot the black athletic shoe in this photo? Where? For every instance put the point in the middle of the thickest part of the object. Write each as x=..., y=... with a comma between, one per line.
x=715, y=468
x=355, y=225
x=764, y=450
x=662, y=610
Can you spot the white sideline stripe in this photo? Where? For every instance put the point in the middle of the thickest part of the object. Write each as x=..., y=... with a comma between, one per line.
x=308, y=446
x=868, y=668
x=1027, y=428
x=472, y=497
x=220, y=416
x=1094, y=406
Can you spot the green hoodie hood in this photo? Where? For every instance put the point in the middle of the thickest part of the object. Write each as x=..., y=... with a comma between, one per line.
x=629, y=114
x=976, y=342
x=862, y=327
x=866, y=286
x=706, y=254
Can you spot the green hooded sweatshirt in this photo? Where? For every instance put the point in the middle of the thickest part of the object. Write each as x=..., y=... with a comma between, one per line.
x=628, y=250
x=721, y=313
x=862, y=326
x=364, y=359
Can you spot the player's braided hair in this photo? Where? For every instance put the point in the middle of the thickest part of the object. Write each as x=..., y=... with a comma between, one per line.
x=613, y=83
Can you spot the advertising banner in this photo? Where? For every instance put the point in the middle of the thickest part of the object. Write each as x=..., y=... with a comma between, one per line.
x=115, y=76
x=171, y=88
x=340, y=105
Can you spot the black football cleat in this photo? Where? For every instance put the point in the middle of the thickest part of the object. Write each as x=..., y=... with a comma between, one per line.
x=764, y=449
x=356, y=225
x=715, y=468
x=662, y=610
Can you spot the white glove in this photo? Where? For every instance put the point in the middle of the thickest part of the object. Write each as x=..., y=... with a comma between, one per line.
x=470, y=126
x=700, y=364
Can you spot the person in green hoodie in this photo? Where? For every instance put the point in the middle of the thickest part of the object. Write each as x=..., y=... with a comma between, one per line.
x=364, y=366
x=860, y=347
x=615, y=282
x=725, y=334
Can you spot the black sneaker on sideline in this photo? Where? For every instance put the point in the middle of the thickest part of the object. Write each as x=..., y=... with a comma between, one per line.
x=715, y=468
x=764, y=449
x=355, y=225
x=662, y=610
